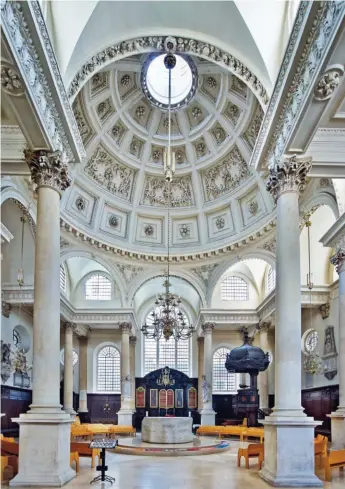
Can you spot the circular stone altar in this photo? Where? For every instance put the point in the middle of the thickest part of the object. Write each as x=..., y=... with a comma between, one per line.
x=167, y=430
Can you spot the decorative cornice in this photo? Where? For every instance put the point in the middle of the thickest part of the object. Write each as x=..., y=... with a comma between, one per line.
x=208, y=327
x=174, y=258
x=288, y=175
x=322, y=19
x=48, y=169
x=149, y=44
x=27, y=35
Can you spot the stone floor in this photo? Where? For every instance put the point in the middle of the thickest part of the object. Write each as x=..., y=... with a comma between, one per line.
x=216, y=471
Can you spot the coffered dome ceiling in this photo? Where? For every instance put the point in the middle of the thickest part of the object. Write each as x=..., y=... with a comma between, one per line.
x=119, y=196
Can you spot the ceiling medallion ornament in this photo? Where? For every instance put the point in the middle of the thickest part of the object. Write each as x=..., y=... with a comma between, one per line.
x=167, y=318
x=328, y=83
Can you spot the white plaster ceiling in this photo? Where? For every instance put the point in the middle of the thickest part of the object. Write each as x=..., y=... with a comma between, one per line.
x=255, y=32
x=79, y=267
x=120, y=193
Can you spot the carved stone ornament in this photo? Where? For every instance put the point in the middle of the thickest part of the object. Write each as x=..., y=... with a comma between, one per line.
x=125, y=327
x=149, y=230
x=156, y=191
x=328, y=83
x=196, y=112
x=208, y=328
x=70, y=327
x=252, y=132
x=220, y=222
x=16, y=23
x=270, y=246
x=338, y=260
x=324, y=23
x=324, y=310
x=185, y=231
x=48, y=169
x=205, y=272
x=113, y=221
x=133, y=340
x=253, y=207
x=129, y=271
x=289, y=175
x=80, y=204
x=223, y=177
x=263, y=326
x=6, y=309
x=184, y=45
x=10, y=81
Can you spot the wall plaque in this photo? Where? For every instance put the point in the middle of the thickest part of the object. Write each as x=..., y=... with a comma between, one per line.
x=329, y=354
x=140, y=397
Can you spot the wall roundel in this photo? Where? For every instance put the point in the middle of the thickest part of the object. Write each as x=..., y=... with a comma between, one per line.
x=310, y=340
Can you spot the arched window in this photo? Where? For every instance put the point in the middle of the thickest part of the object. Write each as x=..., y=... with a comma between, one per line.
x=223, y=381
x=75, y=356
x=98, y=288
x=271, y=279
x=108, y=370
x=62, y=278
x=162, y=353
x=234, y=289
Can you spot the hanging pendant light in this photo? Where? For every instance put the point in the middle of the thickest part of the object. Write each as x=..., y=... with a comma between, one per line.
x=167, y=319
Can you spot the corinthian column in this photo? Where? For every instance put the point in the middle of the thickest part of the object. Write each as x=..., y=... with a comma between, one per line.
x=132, y=343
x=289, y=433
x=338, y=417
x=83, y=340
x=207, y=413
x=200, y=371
x=125, y=415
x=68, y=369
x=263, y=376
x=45, y=428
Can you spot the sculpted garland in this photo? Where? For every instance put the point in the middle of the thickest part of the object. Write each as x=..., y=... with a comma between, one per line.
x=156, y=43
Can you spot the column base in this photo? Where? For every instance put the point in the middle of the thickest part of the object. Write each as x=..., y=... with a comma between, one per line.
x=44, y=450
x=208, y=417
x=70, y=411
x=125, y=417
x=338, y=429
x=289, y=452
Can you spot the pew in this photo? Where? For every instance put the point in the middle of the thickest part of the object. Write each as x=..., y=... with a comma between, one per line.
x=83, y=450
x=320, y=448
x=332, y=460
x=253, y=433
x=253, y=450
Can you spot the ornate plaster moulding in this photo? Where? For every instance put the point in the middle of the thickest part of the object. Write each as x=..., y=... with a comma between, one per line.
x=149, y=44
x=280, y=118
x=27, y=36
x=212, y=254
x=328, y=82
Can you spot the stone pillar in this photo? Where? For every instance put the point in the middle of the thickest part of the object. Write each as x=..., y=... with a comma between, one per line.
x=45, y=429
x=289, y=433
x=132, y=343
x=83, y=374
x=208, y=416
x=263, y=376
x=125, y=415
x=68, y=369
x=200, y=371
x=338, y=417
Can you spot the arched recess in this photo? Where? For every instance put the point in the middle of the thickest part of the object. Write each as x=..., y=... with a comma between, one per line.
x=264, y=255
x=183, y=275
x=322, y=198
x=96, y=351
x=113, y=272
x=14, y=194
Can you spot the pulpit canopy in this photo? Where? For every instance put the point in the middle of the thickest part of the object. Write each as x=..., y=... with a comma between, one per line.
x=247, y=358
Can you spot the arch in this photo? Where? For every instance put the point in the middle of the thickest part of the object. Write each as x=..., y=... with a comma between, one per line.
x=264, y=255
x=94, y=283
x=321, y=198
x=234, y=288
x=145, y=277
x=112, y=270
x=12, y=193
x=107, y=368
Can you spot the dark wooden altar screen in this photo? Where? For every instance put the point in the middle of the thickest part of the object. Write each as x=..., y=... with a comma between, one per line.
x=181, y=398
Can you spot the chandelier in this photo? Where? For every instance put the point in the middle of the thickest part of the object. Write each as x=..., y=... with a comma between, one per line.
x=167, y=319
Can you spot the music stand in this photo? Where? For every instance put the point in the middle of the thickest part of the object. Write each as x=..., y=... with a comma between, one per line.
x=103, y=444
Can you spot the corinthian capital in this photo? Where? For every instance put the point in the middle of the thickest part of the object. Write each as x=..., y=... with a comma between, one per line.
x=48, y=169
x=208, y=328
x=69, y=327
x=288, y=175
x=125, y=327
x=338, y=260
x=263, y=326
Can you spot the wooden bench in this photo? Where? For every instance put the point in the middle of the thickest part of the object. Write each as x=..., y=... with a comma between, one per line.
x=74, y=457
x=253, y=433
x=209, y=430
x=122, y=430
x=320, y=449
x=222, y=430
x=253, y=450
x=84, y=451
x=334, y=459
x=232, y=431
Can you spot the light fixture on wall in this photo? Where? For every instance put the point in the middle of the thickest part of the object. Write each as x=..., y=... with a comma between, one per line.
x=312, y=363
x=167, y=318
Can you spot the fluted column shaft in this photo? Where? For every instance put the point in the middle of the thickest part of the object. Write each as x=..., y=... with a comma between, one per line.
x=263, y=376
x=132, y=344
x=200, y=371
x=68, y=369
x=83, y=341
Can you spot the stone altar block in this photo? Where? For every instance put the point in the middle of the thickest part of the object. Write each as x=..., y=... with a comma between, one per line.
x=167, y=430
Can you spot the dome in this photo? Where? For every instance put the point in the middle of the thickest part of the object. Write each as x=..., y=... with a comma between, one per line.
x=119, y=194
x=247, y=358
